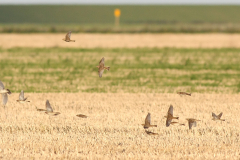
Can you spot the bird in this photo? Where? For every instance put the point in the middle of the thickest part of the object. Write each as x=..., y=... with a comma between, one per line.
x=184, y=93
x=217, y=117
x=50, y=110
x=81, y=116
x=192, y=122
x=170, y=116
x=4, y=93
x=101, y=67
x=148, y=122
x=151, y=133
x=41, y=110
x=21, y=97
x=68, y=36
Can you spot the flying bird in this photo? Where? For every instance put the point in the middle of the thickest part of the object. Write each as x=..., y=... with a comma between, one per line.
x=148, y=122
x=68, y=37
x=101, y=67
x=184, y=93
x=50, y=110
x=151, y=133
x=217, y=117
x=21, y=97
x=81, y=116
x=170, y=116
x=192, y=122
x=4, y=93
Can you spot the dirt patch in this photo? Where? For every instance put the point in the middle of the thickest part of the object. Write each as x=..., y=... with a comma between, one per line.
x=122, y=40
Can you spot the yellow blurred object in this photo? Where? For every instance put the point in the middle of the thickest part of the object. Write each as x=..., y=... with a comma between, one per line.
x=117, y=12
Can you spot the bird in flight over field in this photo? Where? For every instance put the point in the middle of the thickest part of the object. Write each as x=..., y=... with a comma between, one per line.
x=68, y=37
x=151, y=133
x=21, y=97
x=217, y=117
x=50, y=110
x=148, y=122
x=4, y=93
x=170, y=116
x=192, y=122
x=184, y=93
x=101, y=67
x=81, y=116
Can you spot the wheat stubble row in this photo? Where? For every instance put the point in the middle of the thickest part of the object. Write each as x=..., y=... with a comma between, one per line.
x=113, y=128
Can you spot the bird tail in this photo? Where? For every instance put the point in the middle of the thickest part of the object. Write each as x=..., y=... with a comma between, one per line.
x=175, y=117
x=107, y=68
x=222, y=119
x=9, y=92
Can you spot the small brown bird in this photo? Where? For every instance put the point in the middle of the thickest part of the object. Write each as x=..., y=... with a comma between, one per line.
x=148, y=122
x=4, y=93
x=192, y=122
x=50, y=110
x=21, y=97
x=68, y=37
x=170, y=116
x=81, y=116
x=151, y=133
x=184, y=93
x=217, y=117
x=101, y=67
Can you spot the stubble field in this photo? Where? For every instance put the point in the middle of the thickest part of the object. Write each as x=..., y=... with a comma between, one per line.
x=141, y=80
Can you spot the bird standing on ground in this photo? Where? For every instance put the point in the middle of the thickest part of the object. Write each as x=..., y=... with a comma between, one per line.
x=101, y=67
x=68, y=37
x=21, y=97
x=50, y=110
x=192, y=122
x=170, y=116
x=148, y=122
x=217, y=117
x=4, y=93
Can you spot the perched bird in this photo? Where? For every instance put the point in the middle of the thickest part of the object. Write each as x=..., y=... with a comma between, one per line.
x=21, y=97
x=50, y=110
x=192, y=122
x=151, y=133
x=217, y=117
x=184, y=93
x=170, y=116
x=4, y=93
x=181, y=124
x=81, y=116
x=148, y=122
x=101, y=67
x=68, y=36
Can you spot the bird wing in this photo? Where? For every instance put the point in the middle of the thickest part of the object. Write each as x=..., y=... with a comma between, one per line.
x=168, y=122
x=220, y=115
x=4, y=98
x=195, y=124
x=100, y=72
x=21, y=95
x=148, y=119
x=214, y=115
x=101, y=62
x=170, y=110
x=190, y=124
x=1, y=85
x=48, y=107
x=68, y=35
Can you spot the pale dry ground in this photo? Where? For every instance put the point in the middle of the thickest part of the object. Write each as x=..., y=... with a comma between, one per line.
x=113, y=129
x=214, y=40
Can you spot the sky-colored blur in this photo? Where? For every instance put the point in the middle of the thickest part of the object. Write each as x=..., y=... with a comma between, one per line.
x=120, y=2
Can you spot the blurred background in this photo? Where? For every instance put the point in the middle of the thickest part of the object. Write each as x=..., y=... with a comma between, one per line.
x=137, y=16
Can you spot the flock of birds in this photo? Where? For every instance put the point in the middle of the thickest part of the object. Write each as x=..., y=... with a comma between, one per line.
x=101, y=67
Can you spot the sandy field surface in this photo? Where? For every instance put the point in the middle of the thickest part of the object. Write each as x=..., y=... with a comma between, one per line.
x=122, y=40
x=113, y=127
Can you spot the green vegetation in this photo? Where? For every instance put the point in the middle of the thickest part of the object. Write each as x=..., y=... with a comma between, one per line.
x=132, y=70
x=134, y=19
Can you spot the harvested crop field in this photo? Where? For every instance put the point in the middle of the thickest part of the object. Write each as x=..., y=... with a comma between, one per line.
x=113, y=128
x=214, y=40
